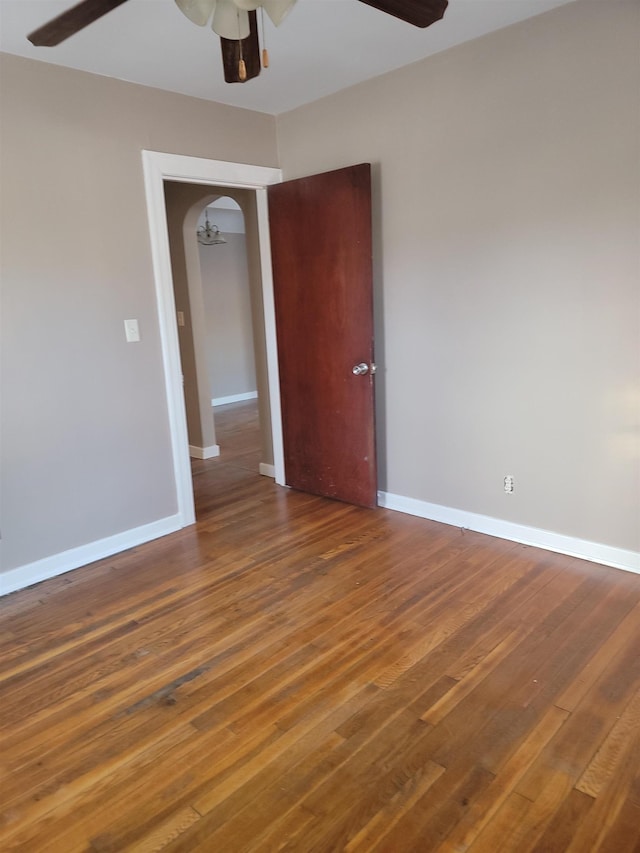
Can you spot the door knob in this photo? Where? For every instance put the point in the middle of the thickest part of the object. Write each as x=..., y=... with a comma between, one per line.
x=362, y=368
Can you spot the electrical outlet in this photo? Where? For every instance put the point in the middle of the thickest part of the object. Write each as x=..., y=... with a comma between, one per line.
x=508, y=484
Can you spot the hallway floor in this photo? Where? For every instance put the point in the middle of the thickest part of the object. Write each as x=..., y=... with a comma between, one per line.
x=238, y=435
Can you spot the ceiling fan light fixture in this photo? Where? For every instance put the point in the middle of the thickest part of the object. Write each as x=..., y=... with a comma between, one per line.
x=198, y=11
x=229, y=21
x=278, y=10
x=229, y=18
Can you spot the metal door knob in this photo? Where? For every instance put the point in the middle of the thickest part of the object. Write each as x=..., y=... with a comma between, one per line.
x=360, y=369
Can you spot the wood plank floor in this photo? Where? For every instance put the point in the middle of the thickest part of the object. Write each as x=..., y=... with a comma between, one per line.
x=297, y=674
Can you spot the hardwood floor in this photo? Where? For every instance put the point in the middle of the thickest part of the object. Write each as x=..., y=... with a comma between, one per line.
x=297, y=674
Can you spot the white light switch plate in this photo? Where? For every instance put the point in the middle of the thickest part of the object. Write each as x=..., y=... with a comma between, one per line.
x=131, y=331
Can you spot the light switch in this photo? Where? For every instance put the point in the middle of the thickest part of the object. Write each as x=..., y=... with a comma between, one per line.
x=131, y=331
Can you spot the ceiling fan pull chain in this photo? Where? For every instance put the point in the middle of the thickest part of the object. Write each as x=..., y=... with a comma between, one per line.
x=265, y=52
x=242, y=68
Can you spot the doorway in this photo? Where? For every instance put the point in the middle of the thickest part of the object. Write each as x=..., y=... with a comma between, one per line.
x=158, y=168
x=219, y=312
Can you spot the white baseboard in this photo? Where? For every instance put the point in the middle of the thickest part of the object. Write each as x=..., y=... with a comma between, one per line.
x=74, y=558
x=204, y=452
x=234, y=398
x=267, y=470
x=618, y=558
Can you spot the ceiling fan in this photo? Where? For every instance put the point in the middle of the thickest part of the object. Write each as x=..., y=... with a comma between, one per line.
x=235, y=21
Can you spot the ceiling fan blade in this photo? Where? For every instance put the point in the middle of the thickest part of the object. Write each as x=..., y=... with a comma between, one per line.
x=71, y=22
x=232, y=54
x=420, y=13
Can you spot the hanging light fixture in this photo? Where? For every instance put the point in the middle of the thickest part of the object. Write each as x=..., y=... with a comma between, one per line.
x=208, y=234
x=230, y=18
x=236, y=23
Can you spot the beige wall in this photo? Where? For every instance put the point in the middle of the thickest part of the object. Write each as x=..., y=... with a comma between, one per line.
x=183, y=203
x=227, y=305
x=85, y=440
x=506, y=198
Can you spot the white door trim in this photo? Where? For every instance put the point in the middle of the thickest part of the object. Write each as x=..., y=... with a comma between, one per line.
x=157, y=168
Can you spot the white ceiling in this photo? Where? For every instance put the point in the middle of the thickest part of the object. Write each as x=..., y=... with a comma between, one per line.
x=321, y=47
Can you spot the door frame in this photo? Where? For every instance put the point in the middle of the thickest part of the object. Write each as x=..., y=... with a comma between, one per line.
x=158, y=167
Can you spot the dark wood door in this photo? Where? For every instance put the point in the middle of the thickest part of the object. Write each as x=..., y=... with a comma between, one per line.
x=321, y=250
